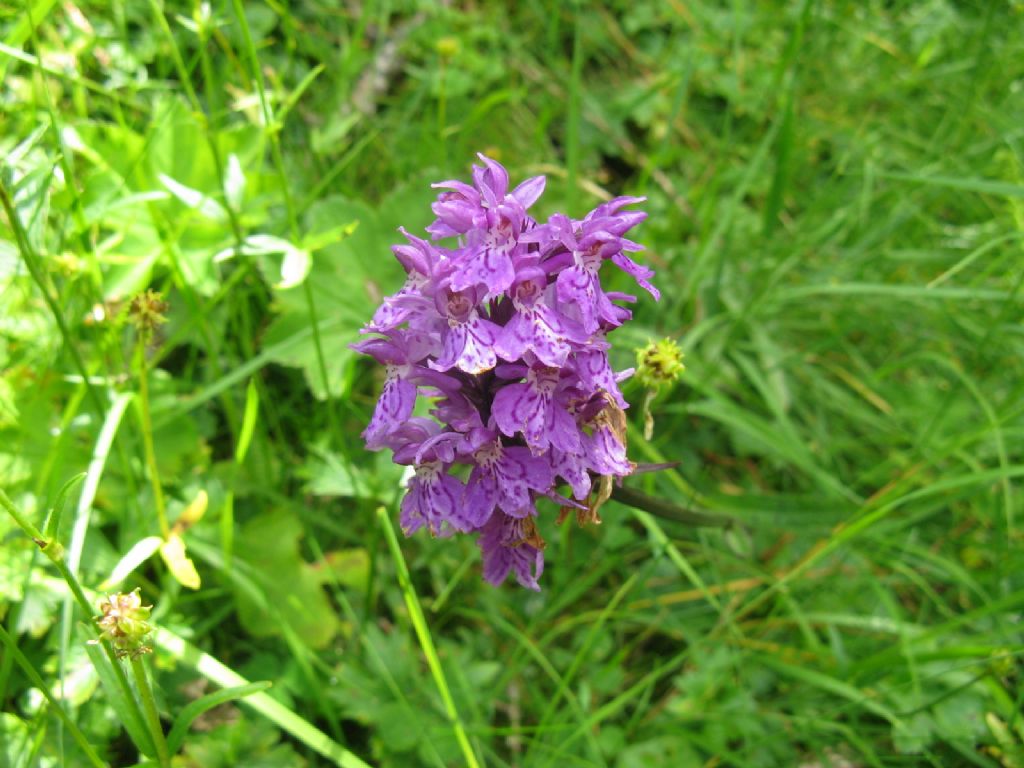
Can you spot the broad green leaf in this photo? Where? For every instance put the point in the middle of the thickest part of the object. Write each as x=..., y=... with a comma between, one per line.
x=41, y=601
x=15, y=741
x=79, y=681
x=244, y=742
x=338, y=357
x=318, y=240
x=353, y=270
x=291, y=586
x=350, y=567
x=327, y=473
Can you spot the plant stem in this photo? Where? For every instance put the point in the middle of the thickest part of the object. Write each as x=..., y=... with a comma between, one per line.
x=419, y=623
x=575, y=109
x=271, y=130
x=152, y=716
x=55, y=552
x=670, y=511
x=40, y=685
x=23, y=522
x=30, y=257
x=147, y=439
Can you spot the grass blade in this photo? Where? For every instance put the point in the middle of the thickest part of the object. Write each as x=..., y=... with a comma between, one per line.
x=52, y=524
x=270, y=708
x=981, y=186
x=40, y=685
x=188, y=715
x=419, y=623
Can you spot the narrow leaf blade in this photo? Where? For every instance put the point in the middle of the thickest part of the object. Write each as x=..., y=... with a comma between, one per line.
x=140, y=552
x=189, y=714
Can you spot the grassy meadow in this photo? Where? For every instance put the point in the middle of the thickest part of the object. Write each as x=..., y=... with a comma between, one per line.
x=198, y=205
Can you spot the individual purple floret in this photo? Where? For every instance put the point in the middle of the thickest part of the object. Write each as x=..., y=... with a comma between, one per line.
x=502, y=328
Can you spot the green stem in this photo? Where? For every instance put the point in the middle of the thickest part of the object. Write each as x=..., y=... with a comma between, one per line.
x=442, y=110
x=23, y=522
x=573, y=118
x=30, y=258
x=49, y=547
x=152, y=716
x=147, y=440
x=419, y=623
x=40, y=685
x=670, y=511
x=184, y=77
x=271, y=129
x=55, y=552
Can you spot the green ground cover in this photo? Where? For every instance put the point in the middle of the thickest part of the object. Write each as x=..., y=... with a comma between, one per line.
x=836, y=200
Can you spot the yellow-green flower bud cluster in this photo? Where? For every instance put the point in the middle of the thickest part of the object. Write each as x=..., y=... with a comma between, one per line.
x=659, y=363
x=123, y=621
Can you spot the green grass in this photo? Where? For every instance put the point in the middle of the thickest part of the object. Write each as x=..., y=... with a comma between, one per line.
x=836, y=199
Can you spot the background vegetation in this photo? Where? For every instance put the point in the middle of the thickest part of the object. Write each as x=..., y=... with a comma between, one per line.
x=836, y=215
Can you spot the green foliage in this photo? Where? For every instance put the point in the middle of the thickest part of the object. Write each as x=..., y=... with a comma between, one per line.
x=285, y=593
x=836, y=198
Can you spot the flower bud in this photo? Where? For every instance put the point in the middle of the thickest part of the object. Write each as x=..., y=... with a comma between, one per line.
x=659, y=363
x=124, y=623
x=146, y=311
x=447, y=47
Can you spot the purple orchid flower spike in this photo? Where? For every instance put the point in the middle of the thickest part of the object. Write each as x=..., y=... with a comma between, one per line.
x=434, y=497
x=578, y=283
x=506, y=334
x=492, y=181
x=606, y=453
x=594, y=368
x=486, y=261
x=574, y=469
x=607, y=218
x=458, y=209
x=406, y=440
